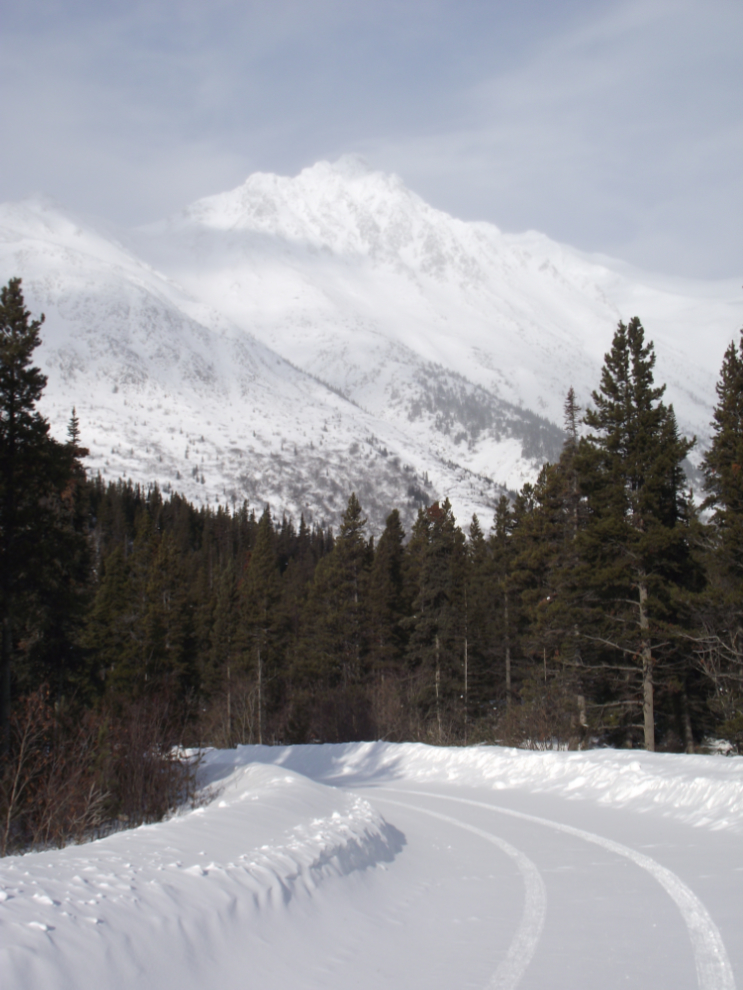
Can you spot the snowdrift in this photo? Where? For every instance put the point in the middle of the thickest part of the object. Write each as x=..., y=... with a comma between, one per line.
x=696, y=790
x=282, y=835
x=115, y=906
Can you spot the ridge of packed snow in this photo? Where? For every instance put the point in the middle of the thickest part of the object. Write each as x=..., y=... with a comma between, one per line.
x=703, y=791
x=268, y=836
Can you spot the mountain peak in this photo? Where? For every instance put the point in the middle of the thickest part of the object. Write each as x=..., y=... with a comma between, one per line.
x=326, y=201
x=349, y=166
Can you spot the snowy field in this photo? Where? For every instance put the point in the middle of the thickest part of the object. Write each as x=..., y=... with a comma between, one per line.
x=402, y=866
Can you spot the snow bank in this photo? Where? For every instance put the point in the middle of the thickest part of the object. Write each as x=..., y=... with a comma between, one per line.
x=196, y=880
x=201, y=899
x=698, y=790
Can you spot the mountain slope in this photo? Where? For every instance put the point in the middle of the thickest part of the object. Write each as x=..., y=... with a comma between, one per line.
x=168, y=390
x=356, y=278
x=299, y=338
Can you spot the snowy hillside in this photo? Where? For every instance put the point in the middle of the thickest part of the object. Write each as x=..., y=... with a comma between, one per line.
x=358, y=280
x=299, y=338
x=404, y=866
x=167, y=389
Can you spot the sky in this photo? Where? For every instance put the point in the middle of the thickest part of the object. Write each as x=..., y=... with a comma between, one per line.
x=613, y=126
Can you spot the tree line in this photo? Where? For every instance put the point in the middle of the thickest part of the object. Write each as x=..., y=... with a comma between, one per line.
x=602, y=606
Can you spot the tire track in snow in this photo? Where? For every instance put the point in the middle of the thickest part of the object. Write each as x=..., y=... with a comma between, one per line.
x=508, y=974
x=714, y=971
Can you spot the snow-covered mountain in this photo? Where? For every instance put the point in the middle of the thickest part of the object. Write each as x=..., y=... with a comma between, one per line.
x=298, y=338
x=167, y=389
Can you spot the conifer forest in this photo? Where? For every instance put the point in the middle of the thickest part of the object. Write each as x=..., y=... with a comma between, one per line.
x=601, y=605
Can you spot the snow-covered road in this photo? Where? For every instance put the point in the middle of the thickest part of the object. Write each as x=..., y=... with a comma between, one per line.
x=371, y=865
x=612, y=916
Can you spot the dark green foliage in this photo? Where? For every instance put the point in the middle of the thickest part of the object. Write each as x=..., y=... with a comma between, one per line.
x=387, y=605
x=723, y=467
x=718, y=611
x=108, y=635
x=264, y=620
x=437, y=639
x=334, y=644
x=43, y=553
x=582, y=615
x=635, y=548
x=505, y=602
x=478, y=688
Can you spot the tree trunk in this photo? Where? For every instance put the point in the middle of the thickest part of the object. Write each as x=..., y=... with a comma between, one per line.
x=6, y=650
x=229, y=708
x=507, y=644
x=260, y=698
x=438, y=683
x=648, y=711
x=686, y=722
x=466, y=667
x=466, y=687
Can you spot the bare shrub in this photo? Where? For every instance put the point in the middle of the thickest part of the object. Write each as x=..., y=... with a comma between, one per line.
x=548, y=713
x=231, y=718
x=390, y=709
x=51, y=791
x=146, y=773
x=71, y=775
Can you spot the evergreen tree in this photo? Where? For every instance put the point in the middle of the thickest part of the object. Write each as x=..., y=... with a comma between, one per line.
x=635, y=546
x=330, y=665
x=387, y=606
x=723, y=467
x=225, y=646
x=719, y=611
x=439, y=620
x=334, y=627
x=298, y=575
x=168, y=664
x=122, y=629
x=107, y=637
x=35, y=522
x=547, y=561
x=262, y=613
x=479, y=683
x=504, y=605
x=60, y=599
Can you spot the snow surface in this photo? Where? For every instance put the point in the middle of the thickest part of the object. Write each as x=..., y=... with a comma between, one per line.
x=347, y=271
x=362, y=865
x=298, y=338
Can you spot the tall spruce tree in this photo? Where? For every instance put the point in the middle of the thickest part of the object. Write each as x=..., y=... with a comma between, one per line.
x=107, y=636
x=548, y=558
x=723, y=467
x=387, y=606
x=168, y=661
x=262, y=615
x=439, y=619
x=478, y=686
x=635, y=546
x=504, y=604
x=334, y=628
x=719, y=611
x=34, y=519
